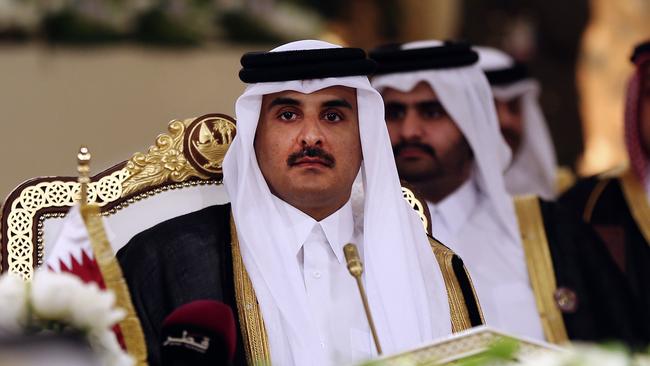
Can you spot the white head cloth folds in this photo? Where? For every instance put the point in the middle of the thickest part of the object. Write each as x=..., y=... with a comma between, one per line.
x=466, y=96
x=534, y=166
x=405, y=288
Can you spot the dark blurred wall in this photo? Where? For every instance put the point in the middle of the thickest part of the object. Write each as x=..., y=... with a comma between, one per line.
x=547, y=35
x=544, y=34
x=360, y=23
x=369, y=23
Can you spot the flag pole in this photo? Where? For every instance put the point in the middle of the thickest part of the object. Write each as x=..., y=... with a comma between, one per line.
x=83, y=168
x=109, y=267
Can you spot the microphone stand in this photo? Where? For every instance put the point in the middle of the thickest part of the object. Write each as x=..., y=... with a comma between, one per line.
x=356, y=269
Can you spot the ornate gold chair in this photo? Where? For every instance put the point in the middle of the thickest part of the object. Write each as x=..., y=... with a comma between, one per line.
x=187, y=157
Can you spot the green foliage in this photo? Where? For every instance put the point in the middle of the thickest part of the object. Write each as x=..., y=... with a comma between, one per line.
x=157, y=27
x=240, y=26
x=500, y=352
x=69, y=27
x=13, y=34
x=175, y=23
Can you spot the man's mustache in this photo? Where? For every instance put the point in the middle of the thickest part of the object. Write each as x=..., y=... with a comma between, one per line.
x=413, y=145
x=311, y=152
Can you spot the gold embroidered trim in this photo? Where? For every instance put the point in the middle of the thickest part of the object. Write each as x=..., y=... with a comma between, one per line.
x=564, y=179
x=540, y=267
x=593, y=199
x=478, y=302
x=637, y=201
x=460, y=319
x=114, y=280
x=254, y=335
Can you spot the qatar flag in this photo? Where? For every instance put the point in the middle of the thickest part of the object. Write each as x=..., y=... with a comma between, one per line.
x=72, y=252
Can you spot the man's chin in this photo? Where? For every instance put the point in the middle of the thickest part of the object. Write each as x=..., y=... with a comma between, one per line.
x=310, y=195
x=310, y=181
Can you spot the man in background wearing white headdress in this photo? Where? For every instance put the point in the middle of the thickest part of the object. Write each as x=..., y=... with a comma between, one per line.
x=616, y=203
x=557, y=282
x=309, y=125
x=534, y=167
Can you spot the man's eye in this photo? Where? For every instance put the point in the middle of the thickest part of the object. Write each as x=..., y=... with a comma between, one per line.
x=432, y=113
x=332, y=117
x=287, y=116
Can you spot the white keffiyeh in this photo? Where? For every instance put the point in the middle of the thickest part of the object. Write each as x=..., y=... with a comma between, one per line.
x=466, y=96
x=534, y=166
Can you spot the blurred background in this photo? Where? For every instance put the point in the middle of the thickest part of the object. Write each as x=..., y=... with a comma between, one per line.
x=111, y=73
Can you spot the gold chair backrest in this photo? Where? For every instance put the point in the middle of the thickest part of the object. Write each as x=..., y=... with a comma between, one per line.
x=189, y=154
x=418, y=205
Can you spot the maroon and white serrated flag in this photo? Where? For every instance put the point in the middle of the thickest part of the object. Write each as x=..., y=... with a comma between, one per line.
x=72, y=251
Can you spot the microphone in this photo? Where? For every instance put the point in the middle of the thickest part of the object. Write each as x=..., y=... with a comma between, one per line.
x=355, y=267
x=201, y=332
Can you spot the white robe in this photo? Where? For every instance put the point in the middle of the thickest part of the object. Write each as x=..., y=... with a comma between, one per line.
x=465, y=222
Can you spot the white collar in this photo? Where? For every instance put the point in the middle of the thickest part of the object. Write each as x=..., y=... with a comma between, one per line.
x=338, y=227
x=454, y=210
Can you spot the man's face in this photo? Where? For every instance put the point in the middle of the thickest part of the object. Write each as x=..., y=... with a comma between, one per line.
x=510, y=121
x=426, y=142
x=644, y=109
x=308, y=146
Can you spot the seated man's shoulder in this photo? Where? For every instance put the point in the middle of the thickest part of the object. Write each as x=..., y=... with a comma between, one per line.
x=580, y=191
x=459, y=287
x=439, y=247
x=446, y=256
x=591, y=188
x=203, y=227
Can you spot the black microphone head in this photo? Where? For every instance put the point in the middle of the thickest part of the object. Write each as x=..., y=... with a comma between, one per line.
x=201, y=332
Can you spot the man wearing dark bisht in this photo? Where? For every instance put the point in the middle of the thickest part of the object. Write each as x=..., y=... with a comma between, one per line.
x=615, y=203
x=310, y=169
x=537, y=272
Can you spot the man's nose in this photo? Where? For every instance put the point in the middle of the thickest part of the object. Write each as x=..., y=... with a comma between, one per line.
x=311, y=132
x=411, y=126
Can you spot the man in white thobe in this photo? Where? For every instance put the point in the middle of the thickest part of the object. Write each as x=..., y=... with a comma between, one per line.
x=534, y=168
x=538, y=272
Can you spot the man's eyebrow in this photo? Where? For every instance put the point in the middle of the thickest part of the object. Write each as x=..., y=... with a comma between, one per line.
x=337, y=103
x=429, y=104
x=420, y=104
x=284, y=101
